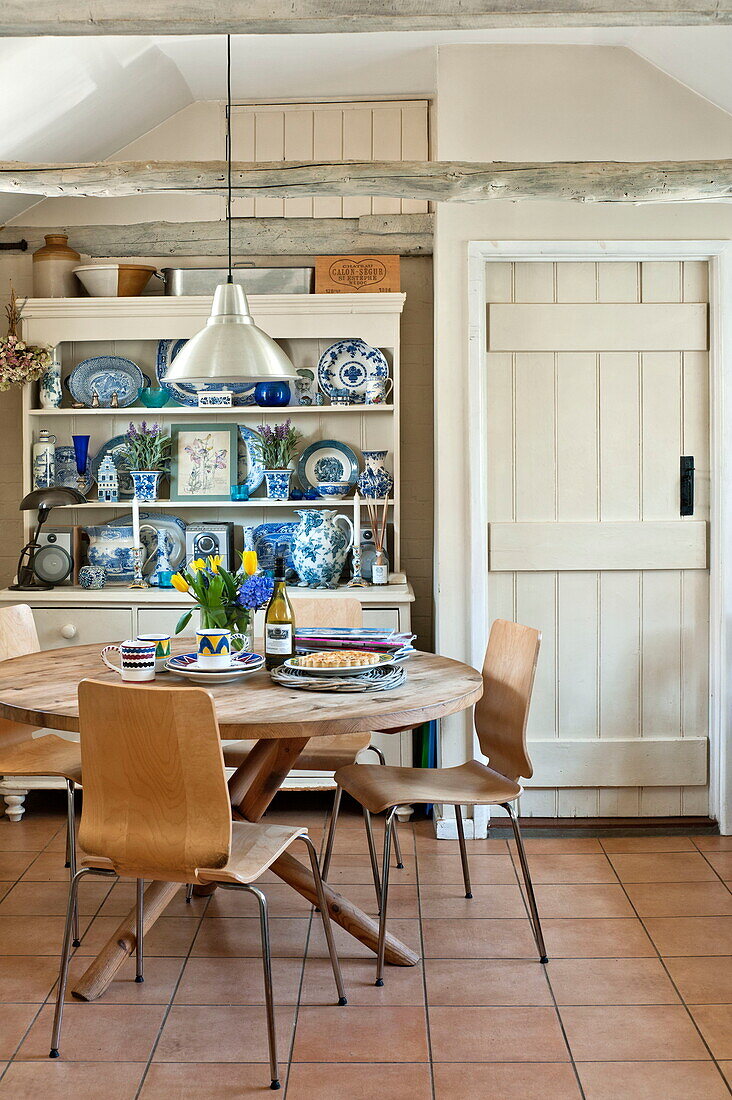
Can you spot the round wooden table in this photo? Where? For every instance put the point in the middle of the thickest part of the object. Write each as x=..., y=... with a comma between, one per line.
x=40, y=689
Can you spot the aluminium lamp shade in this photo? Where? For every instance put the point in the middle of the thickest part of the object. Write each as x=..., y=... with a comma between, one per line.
x=230, y=348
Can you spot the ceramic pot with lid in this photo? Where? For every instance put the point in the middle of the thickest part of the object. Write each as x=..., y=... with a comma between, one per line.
x=53, y=268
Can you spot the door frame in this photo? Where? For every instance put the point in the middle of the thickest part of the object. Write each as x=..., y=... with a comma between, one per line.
x=718, y=254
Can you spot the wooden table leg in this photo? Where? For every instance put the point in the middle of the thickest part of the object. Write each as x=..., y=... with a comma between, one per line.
x=102, y=970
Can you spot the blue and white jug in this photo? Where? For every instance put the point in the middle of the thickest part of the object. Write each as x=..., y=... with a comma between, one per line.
x=320, y=546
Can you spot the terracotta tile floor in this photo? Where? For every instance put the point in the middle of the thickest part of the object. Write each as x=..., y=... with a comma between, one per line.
x=635, y=1003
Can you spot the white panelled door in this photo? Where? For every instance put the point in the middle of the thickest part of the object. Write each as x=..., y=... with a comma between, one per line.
x=597, y=385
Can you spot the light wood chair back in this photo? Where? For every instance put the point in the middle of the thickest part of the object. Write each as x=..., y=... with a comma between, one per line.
x=155, y=797
x=18, y=636
x=330, y=611
x=502, y=712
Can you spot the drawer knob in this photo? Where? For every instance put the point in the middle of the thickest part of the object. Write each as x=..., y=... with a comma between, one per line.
x=69, y=631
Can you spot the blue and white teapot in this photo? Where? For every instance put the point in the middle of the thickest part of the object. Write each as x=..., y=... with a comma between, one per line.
x=320, y=546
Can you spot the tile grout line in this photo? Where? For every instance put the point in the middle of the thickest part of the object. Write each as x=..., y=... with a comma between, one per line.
x=169, y=1006
x=424, y=965
x=547, y=978
x=670, y=977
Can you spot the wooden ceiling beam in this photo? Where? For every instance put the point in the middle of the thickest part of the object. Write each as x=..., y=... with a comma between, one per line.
x=395, y=234
x=438, y=181
x=183, y=17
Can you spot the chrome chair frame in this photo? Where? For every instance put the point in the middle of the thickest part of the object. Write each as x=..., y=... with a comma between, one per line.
x=139, y=948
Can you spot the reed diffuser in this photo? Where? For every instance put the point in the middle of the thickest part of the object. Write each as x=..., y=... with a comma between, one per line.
x=380, y=567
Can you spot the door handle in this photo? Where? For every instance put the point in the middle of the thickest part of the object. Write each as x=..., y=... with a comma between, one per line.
x=686, y=494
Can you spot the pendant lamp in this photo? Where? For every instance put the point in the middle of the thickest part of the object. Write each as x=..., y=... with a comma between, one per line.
x=231, y=348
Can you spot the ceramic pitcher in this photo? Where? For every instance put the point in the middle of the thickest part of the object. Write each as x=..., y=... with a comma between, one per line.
x=320, y=546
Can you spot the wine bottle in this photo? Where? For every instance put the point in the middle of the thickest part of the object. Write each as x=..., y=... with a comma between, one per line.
x=279, y=621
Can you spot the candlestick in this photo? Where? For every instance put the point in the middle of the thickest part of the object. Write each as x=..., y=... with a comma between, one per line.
x=357, y=518
x=357, y=580
x=138, y=581
x=135, y=522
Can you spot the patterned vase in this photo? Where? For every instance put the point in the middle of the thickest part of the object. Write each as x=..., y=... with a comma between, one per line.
x=320, y=546
x=375, y=481
x=278, y=484
x=49, y=387
x=162, y=561
x=146, y=484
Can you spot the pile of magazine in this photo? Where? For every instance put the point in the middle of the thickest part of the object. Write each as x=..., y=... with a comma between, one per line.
x=375, y=639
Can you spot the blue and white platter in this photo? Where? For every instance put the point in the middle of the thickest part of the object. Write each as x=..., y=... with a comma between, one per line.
x=327, y=460
x=106, y=375
x=66, y=473
x=251, y=467
x=242, y=664
x=186, y=394
x=267, y=538
x=150, y=523
x=115, y=447
x=351, y=365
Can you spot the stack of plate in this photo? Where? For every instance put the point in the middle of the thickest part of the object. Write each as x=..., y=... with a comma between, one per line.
x=242, y=664
x=379, y=677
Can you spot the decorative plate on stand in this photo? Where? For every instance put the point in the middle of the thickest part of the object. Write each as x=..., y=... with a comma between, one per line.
x=175, y=536
x=327, y=460
x=351, y=365
x=251, y=467
x=186, y=394
x=66, y=473
x=106, y=375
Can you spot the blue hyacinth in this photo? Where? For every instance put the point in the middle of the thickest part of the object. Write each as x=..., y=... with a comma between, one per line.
x=256, y=592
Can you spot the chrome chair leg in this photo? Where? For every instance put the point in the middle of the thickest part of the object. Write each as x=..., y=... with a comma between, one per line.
x=269, y=999
x=139, y=930
x=388, y=832
x=189, y=893
x=463, y=851
x=397, y=846
x=66, y=955
x=536, y=925
x=71, y=848
x=372, y=854
x=331, y=832
x=325, y=916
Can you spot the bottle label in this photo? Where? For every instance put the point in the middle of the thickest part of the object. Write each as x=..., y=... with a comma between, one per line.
x=380, y=574
x=278, y=638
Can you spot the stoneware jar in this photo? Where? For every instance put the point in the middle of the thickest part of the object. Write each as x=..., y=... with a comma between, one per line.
x=320, y=546
x=53, y=268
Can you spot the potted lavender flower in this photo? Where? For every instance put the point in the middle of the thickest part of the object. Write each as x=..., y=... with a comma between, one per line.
x=146, y=453
x=277, y=446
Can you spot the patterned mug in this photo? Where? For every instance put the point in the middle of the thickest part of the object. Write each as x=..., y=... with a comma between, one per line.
x=214, y=647
x=162, y=648
x=138, y=659
x=377, y=390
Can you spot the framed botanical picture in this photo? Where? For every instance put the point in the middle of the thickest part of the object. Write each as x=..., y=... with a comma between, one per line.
x=204, y=461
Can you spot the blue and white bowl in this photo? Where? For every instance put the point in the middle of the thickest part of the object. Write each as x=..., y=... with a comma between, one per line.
x=333, y=490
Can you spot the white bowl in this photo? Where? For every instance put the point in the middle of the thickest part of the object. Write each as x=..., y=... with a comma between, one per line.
x=333, y=490
x=114, y=280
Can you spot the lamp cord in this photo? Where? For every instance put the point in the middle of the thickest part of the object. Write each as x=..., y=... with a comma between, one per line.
x=230, y=278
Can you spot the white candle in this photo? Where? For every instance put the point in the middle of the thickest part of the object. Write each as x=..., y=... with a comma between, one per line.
x=135, y=522
x=357, y=519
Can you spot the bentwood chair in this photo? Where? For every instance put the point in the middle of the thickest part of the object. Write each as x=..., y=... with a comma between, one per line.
x=500, y=722
x=22, y=754
x=156, y=806
x=327, y=753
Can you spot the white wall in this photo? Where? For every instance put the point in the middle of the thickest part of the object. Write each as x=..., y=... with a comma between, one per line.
x=538, y=103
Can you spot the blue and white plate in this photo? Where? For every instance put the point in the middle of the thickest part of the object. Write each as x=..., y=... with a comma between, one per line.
x=242, y=664
x=267, y=538
x=66, y=474
x=106, y=375
x=327, y=460
x=175, y=536
x=351, y=365
x=115, y=447
x=184, y=392
x=251, y=467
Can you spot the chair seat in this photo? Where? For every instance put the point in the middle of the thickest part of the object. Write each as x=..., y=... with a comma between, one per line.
x=378, y=788
x=48, y=755
x=254, y=847
x=326, y=753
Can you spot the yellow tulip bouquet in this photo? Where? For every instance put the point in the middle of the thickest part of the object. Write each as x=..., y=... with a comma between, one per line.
x=223, y=598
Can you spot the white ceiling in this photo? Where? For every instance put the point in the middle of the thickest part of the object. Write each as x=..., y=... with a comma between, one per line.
x=96, y=95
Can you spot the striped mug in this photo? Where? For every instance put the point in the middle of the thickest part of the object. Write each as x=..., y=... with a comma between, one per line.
x=137, y=659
